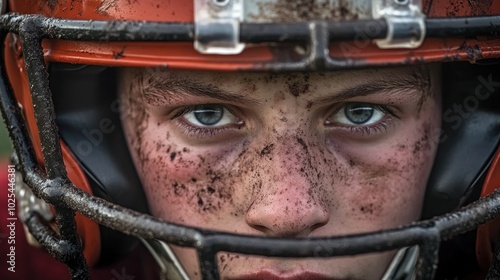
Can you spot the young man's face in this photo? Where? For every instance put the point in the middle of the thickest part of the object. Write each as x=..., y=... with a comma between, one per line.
x=284, y=155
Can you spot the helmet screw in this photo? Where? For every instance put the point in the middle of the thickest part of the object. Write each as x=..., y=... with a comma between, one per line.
x=221, y=3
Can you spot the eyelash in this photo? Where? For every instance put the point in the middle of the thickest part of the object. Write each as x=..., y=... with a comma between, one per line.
x=380, y=127
x=200, y=132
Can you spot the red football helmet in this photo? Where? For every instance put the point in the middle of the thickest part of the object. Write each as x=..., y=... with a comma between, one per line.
x=55, y=85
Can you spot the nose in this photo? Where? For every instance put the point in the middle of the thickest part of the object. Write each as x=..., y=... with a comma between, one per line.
x=289, y=203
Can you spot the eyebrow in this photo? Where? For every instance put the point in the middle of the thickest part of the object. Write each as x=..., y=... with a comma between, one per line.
x=413, y=85
x=170, y=89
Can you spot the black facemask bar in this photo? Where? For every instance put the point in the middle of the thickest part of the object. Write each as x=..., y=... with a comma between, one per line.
x=52, y=184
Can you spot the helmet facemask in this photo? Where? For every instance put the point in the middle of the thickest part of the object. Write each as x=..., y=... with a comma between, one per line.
x=49, y=181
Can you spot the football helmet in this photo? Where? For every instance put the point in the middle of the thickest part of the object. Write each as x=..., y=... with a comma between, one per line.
x=63, y=117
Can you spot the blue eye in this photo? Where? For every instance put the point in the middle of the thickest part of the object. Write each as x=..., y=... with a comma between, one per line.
x=209, y=115
x=359, y=114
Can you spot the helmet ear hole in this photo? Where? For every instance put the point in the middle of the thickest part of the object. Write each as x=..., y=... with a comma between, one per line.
x=87, y=114
x=469, y=139
x=469, y=136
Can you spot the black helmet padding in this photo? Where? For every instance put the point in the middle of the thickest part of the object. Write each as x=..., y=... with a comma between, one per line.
x=87, y=113
x=470, y=135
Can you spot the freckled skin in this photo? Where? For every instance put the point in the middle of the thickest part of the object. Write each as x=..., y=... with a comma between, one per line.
x=284, y=173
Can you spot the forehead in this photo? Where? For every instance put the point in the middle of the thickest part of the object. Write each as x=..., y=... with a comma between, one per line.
x=337, y=79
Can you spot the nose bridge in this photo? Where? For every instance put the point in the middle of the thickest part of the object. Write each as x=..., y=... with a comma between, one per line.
x=289, y=201
x=288, y=156
x=288, y=161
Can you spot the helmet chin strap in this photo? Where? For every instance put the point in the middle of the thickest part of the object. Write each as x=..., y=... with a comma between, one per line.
x=170, y=266
x=403, y=265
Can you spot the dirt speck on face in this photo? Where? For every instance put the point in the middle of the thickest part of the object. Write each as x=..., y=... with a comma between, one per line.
x=267, y=149
x=368, y=209
x=297, y=88
x=309, y=104
x=302, y=143
x=423, y=144
x=134, y=112
x=211, y=198
x=179, y=188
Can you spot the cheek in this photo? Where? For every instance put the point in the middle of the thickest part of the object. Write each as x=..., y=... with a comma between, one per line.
x=387, y=182
x=183, y=184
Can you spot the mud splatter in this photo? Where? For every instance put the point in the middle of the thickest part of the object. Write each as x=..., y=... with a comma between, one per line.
x=51, y=4
x=296, y=88
x=267, y=150
x=179, y=189
x=133, y=110
x=119, y=54
x=105, y=5
x=288, y=11
x=473, y=52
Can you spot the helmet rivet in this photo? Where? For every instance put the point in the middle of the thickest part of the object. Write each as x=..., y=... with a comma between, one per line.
x=221, y=3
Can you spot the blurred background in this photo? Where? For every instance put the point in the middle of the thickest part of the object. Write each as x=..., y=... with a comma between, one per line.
x=5, y=146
